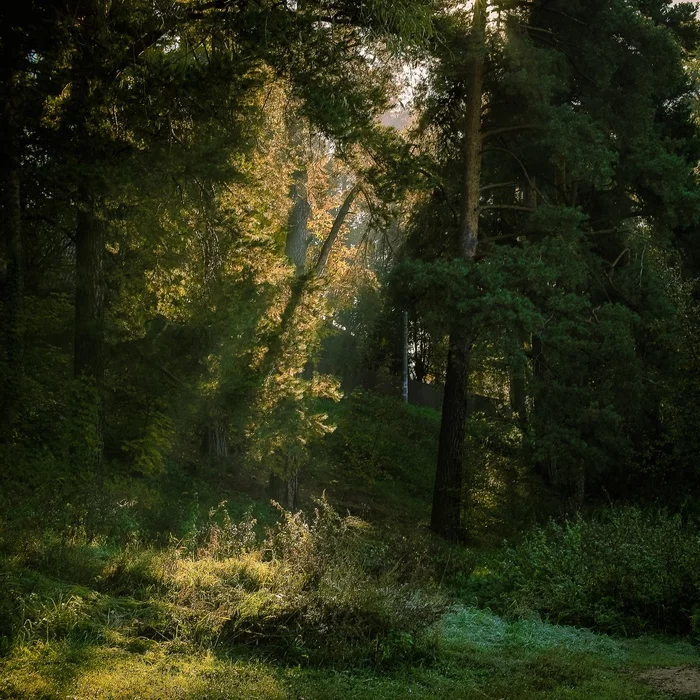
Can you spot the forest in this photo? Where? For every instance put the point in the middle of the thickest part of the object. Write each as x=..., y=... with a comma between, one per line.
x=350, y=349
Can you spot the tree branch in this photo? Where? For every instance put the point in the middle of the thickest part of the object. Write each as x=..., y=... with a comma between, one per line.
x=511, y=207
x=320, y=267
x=498, y=186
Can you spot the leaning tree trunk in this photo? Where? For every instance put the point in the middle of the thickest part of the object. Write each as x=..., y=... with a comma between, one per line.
x=285, y=489
x=447, y=499
x=301, y=281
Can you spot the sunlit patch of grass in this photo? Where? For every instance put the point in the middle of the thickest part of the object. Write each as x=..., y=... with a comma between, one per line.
x=65, y=670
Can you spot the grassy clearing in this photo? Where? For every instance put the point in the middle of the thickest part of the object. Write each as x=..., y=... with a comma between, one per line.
x=479, y=655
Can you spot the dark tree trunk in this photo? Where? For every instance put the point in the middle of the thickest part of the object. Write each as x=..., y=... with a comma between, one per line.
x=447, y=496
x=447, y=500
x=518, y=396
x=217, y=444
x=545, y=468
x=285, y=490
x=89, y=296
x=88, y=350
x=14, y=270
x=13, y=276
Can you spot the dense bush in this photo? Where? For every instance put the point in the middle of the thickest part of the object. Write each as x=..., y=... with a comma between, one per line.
x=624, y=571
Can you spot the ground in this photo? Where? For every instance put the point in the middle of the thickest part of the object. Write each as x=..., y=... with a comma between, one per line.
x=480, y=656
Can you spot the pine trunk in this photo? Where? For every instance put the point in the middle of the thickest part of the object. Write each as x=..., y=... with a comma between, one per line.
x=13, y=277
x=446, y=517
x=544, y=467
x=447, y=495
x=88, y=350
x=14, y=270
x=217, y=444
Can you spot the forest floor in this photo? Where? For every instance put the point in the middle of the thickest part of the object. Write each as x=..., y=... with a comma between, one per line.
x=102, y=620
x=480, y=656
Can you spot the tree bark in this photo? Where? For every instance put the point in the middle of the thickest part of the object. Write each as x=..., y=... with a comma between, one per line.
x=285, y=489
x=297, y=241
x=545, y=465
x=446, y=513
x=13, y=285
x=217, y=444
x=300, y=282
x=518, y=396
x=14, y=270
x=88, y=360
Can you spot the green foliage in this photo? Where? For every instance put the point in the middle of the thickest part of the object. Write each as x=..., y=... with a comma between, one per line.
x=381, y=456
x=624, y=570
x=146, y=452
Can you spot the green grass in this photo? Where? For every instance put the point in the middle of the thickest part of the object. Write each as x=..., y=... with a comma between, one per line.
x=480, y=655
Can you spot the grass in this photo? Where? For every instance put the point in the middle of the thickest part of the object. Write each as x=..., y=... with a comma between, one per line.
x=480, y=656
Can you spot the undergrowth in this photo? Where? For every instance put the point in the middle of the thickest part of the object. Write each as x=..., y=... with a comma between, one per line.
x=318, y=589
x=623, y=571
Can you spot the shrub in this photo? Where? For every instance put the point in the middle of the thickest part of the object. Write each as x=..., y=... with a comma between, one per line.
x=334, y=605
x=624, y=571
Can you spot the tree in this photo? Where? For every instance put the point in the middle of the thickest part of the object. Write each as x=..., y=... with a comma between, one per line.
x=539, y=154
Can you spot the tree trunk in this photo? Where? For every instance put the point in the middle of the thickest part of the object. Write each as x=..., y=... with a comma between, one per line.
x=447, y=495
x=285, y=490
x=518, y=392
x=217, y=444
x=404, y=392
x=299, y=285
x=88, y=357
x=14, y=270
x=13, y=66
x=297, y=241
x=447, y=499
x=88, y=350
x=544, y=468
x=88, y=346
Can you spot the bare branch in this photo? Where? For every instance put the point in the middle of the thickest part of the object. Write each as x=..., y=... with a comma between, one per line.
x=511, y=207
x=498, y=186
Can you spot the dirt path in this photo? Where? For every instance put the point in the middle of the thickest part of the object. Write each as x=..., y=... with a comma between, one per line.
x=681, y=680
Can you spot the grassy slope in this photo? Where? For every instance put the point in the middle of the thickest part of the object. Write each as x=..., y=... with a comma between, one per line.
x=99, y=651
